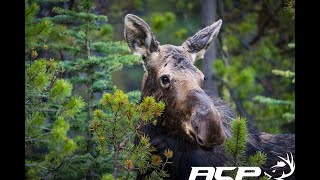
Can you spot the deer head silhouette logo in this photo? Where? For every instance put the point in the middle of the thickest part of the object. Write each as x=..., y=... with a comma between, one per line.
x=280, y=164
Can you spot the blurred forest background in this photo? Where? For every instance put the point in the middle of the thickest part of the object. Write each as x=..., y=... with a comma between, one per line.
x=75, y=52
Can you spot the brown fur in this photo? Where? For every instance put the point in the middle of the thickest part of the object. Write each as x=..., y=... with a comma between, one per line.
x=195, y=122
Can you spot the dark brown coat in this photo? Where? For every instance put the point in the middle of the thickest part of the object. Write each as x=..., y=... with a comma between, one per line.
x=195, y=122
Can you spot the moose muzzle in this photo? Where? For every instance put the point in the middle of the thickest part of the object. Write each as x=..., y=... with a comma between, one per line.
x=205, y=120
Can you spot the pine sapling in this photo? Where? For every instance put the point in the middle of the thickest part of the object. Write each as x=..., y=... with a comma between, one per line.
x=236, y=147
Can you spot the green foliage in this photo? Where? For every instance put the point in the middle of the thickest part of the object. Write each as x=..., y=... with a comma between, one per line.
x=114, y=127
x=251, y=50
x=48, y=108
x=181, y=33
x=161, y=21
x=266, y=100
x=185, y=7
x=288, y=115
x=35, y=30
x=107, y=177
x=235, y=147
x=257, y=159
x=287, y=74
x=291, y=45
x=165, y=27
x=70, y=128
x=290, y=6
x=60, y=90
x=70, y=134
x=93, y=58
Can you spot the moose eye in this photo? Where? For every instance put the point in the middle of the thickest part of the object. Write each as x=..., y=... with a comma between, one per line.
x=165, y=80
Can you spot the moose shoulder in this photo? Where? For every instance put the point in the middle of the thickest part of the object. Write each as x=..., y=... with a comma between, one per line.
x=195, y=122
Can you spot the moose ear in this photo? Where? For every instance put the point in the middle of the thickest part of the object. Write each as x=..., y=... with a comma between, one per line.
x=139, y=36
x=200, y=42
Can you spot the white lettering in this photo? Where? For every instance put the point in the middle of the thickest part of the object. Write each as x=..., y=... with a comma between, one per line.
x=242, y=172
x=210, y=172
x=195, y=172
x=219, y=170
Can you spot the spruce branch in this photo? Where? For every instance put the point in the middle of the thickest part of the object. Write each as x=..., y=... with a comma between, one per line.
x=115, y=145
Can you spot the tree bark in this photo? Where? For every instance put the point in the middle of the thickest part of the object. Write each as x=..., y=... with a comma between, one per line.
x=208, y=16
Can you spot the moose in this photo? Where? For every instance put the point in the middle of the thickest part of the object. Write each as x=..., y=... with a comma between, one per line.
x=195, y=122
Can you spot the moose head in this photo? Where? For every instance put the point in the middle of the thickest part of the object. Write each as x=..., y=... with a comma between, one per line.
x=171, y=76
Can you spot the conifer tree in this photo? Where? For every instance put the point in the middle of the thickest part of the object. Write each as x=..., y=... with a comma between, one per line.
x=63, y=140
x=251, y=47
x=49, y=105
x=115, y=126
x=236, y=147
x=91, y=63
x=289, y=114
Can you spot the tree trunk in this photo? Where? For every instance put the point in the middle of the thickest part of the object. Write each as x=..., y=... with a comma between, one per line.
x=208, y=16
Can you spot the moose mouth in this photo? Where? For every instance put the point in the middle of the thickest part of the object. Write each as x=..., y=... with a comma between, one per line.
x=205, y=132
x=200, y=143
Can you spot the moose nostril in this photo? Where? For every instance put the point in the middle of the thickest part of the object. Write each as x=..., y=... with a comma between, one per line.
x=196, y=128
x=199, y=141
